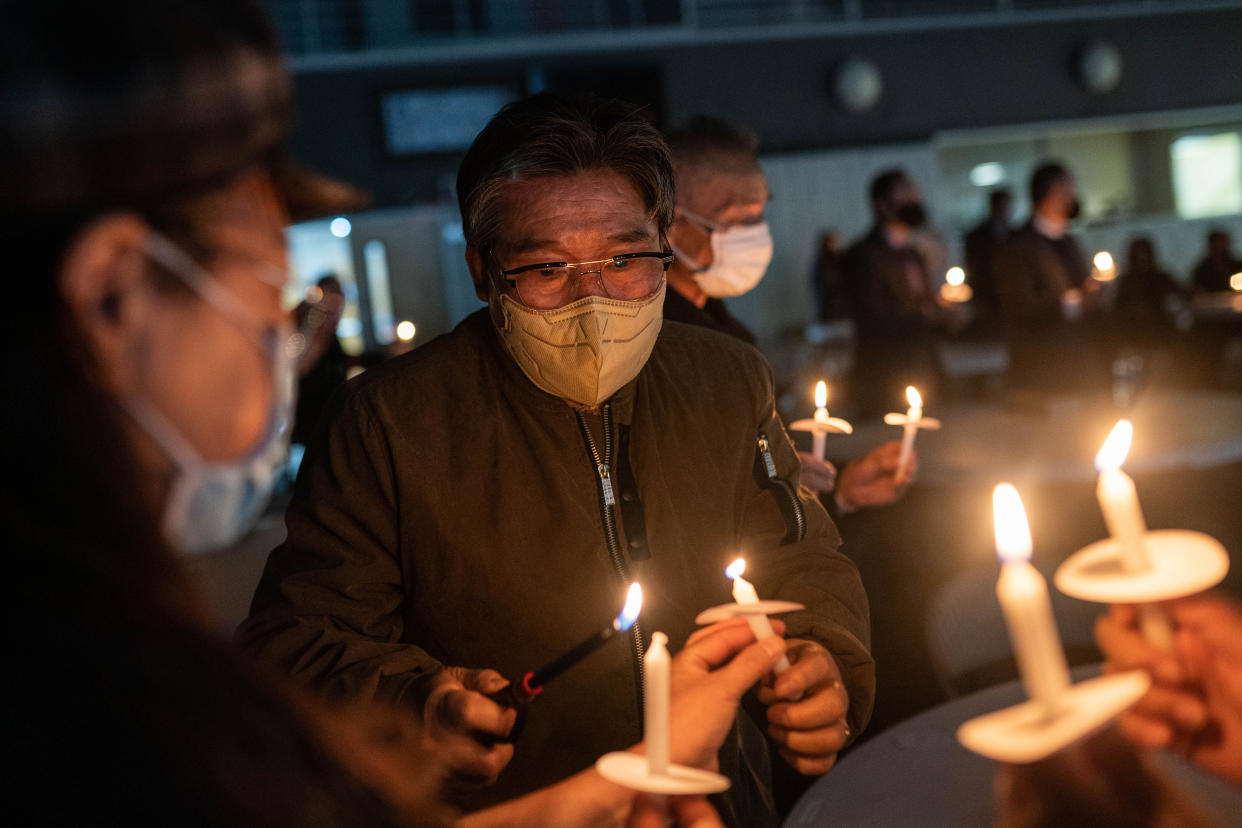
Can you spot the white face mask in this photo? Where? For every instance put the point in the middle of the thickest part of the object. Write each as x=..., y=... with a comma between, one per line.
x=582, y=352
x=212, y=504
x=740, y=257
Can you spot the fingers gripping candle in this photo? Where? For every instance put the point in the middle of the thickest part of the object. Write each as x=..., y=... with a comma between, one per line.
x=1023, y=597
x=744, y=593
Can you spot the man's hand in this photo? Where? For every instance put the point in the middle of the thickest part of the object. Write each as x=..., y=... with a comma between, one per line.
x=871, y=480
x=457, y=712
x=818, y=475
x=708, y=679
x=1173, y=710
x=1195, y=703
x=806, y=709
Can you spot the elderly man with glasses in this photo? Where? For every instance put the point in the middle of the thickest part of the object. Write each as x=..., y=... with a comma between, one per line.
x=479, y=505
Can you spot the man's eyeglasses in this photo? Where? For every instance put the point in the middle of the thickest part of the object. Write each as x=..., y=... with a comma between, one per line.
x=627, y=276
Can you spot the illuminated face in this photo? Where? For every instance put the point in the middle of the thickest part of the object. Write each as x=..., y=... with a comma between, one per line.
x=586, y=217
x=726, y=200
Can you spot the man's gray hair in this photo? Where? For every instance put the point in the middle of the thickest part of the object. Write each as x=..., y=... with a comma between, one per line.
x=546, y=136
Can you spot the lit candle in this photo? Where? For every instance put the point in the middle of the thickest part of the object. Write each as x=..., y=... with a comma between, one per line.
x=1105, y=269
x=655, y=708
x=1119, y=499
x=911, y=426
x=1124, y=518
x=1023, y=597
x=820, y=434
x=955, y=288
x=744, y=593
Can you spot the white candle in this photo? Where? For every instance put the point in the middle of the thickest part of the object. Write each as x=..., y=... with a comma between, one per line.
x=820, y=435
x=655, y=704
x=911, y=427
x=1023, y=597
x=744, y=593
x=1124, y=518
x=1119, y=499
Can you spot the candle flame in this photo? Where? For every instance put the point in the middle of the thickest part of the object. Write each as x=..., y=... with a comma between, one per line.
x=735, y=569
x=406, y=330
x=1013, y=533
x=1113, y=453
x=955, y=276
x=633, y=606
x=1103, y=260
x=1235, y=281
x=821, y=394
x=912, y=396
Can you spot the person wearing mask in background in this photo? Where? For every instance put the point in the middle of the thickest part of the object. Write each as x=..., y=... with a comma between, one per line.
x=890, y=298
x=475, y=503
x=722, y=248
x=980, y=252
x=1044, y=284
x=1213, y=273
x=323, y=367
x=145, y=198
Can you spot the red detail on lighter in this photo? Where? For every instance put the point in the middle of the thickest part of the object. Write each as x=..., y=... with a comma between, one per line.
x=526, y=691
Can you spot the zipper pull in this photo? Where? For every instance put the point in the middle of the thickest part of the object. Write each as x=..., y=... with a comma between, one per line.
x=766, y=454
x=605, y=482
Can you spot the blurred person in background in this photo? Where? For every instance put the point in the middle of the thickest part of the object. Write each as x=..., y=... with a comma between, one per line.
x=891, y=302
x=1213, y=272
x=1144, y=291
x=980, y=246
x=143, y=209
x=1043, y=281
x=324, y=364
x=829, y=296
x=722, y=248
x=145, y=200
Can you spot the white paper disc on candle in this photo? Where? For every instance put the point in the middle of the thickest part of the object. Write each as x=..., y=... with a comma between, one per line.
x=1182, y=563
x=735, y=610
x=630, y=770
x=1022, y=733
x=895, y=419
x=834, y=425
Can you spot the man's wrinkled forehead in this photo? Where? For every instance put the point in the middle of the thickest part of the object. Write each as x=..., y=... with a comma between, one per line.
x=727, y=192
x=545, y=213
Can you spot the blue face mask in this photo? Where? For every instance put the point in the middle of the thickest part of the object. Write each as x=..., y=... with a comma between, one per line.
x=212, y=504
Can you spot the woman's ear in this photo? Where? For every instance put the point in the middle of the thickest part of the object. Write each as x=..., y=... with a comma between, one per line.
x=101, y=283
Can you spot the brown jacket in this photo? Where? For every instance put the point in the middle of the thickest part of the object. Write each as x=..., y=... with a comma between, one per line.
x=451, y=515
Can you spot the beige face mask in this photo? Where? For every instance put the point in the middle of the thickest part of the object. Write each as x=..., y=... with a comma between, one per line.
x=582, y=352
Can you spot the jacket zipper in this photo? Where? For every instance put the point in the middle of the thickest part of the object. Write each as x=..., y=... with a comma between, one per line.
x=769, y=465
x=607, y=501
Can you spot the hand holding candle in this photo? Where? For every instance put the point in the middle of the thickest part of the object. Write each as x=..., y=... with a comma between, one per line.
x=517, y=694
x=821, y=425
x=910, y=422
x=744, y=593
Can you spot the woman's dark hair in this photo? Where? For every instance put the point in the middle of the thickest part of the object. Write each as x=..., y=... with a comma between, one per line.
x=123, y=699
